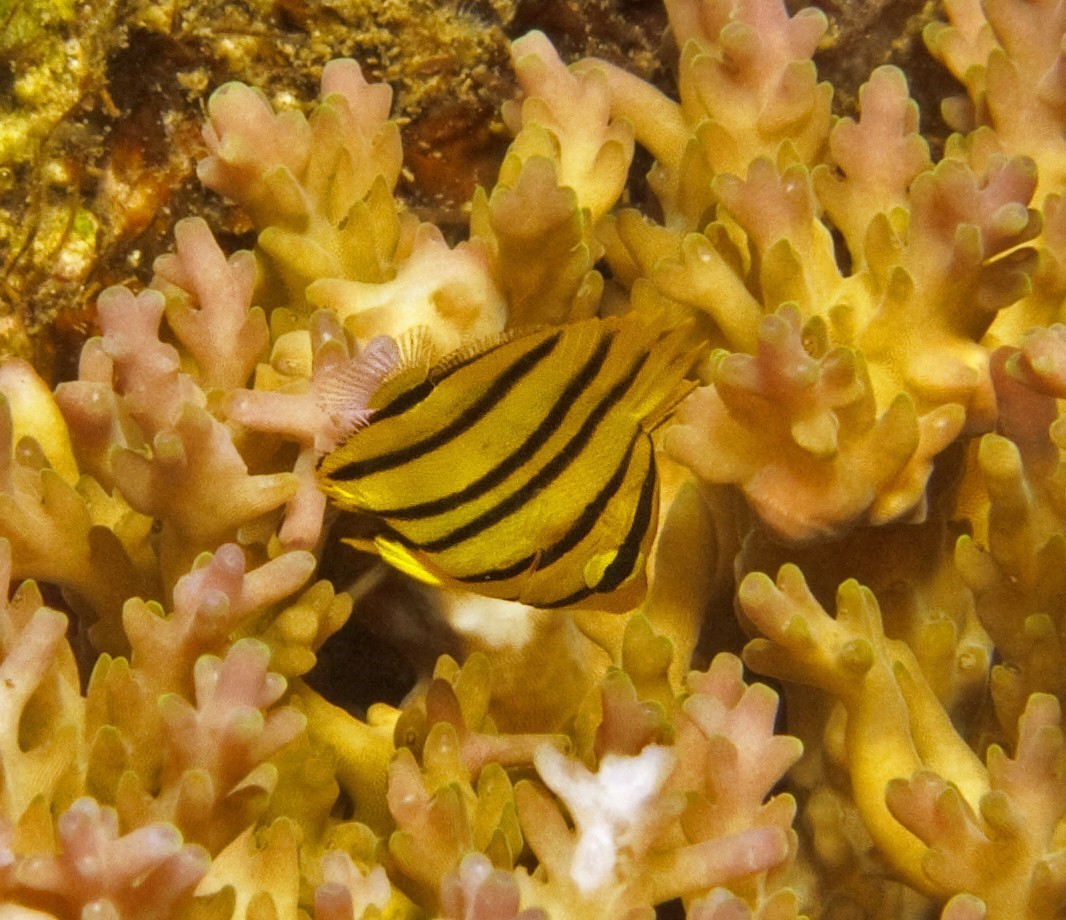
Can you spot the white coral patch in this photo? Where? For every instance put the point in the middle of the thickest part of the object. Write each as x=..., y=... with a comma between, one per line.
x=451, y=291
x=497, y=623
x=611, y=808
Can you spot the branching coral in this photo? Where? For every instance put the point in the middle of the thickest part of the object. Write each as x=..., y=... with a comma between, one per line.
x=878, y=418
x=933, y=255
x=99, y=873
x=800, y=435
x=666, y=807
x=169, y=771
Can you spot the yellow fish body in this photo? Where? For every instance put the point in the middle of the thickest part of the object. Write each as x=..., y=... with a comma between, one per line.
x=523, y=469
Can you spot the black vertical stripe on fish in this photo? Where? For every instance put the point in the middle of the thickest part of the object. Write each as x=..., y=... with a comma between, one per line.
x=579, y=529
x=537, y=439
x=537, y=482
x=625, y=561
x=402, y=402
x=461, y=423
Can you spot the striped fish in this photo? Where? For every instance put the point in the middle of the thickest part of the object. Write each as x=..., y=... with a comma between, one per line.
x=522, y=469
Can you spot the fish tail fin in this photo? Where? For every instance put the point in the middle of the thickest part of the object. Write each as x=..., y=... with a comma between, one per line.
x=661, y=384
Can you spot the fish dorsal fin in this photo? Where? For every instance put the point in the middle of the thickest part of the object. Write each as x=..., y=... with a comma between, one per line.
x=471, y=351
x=383, y=370
x=413, y=357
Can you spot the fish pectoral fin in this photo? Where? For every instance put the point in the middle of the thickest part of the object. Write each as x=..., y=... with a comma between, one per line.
x=403, y=559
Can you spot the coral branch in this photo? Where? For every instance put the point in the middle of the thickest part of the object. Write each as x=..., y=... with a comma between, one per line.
x=148, y=872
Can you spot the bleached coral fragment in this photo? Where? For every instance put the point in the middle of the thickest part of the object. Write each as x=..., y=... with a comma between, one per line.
x=656, y=802
x=608, y=807
x=669, y=873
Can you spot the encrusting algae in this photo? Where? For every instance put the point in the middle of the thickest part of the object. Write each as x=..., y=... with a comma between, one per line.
x=859, y=495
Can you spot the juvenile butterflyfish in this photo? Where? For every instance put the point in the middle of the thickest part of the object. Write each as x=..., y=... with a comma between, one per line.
x=520, y=468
